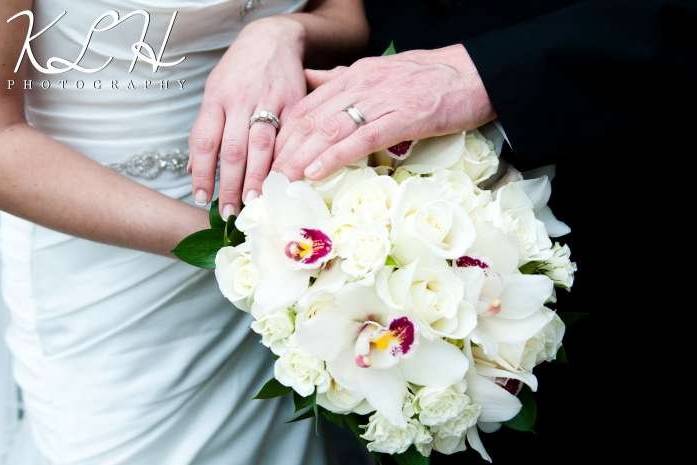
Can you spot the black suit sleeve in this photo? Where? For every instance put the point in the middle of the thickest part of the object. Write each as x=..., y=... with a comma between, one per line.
x=595, y=72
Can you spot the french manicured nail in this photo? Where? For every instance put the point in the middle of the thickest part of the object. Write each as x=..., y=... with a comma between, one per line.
x=314, y=169
x=201, y=198
x=251, y=195
x=228, y=211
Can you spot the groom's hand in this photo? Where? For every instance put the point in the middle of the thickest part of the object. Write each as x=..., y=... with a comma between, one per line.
x=402, y=97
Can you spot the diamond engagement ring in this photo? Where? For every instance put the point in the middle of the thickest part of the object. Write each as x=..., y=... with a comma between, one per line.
x=356, y=115
x=267, y=117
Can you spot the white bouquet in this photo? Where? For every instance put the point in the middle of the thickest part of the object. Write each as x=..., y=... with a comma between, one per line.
x=402, y=299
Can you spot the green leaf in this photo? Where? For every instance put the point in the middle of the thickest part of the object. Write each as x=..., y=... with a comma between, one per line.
x=353, y=422
x=531, y=267
x=200, y=248
x=273, y=389
x=391, y=261
x=411, y=457
x=333, y=418
x=301, y=402
x=391, y=50
x=303, y=414
x=214, y=217
x=571, y=318
x=561, y=355
x=233, y=236
x=525, y=420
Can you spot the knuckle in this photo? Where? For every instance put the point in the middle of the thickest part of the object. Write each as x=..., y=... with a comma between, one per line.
x=201, y=178
x=426, y=102
x=262, y=140
x=331, y=129
x=371, y=137
x=201, y=144
x=230, y=193
x=306, y=125
x=254, y=178
x=364, y=62
x=232, y=151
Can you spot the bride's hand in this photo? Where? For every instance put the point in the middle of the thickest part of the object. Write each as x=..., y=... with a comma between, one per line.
x=262, y=70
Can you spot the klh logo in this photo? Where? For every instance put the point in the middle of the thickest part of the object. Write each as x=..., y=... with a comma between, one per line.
x=109, y=20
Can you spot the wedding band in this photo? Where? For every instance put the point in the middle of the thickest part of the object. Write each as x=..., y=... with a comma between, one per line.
x=266, y=117
x=356, y=115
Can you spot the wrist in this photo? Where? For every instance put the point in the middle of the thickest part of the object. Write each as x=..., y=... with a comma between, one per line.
x=481, y=107
x=282, y=28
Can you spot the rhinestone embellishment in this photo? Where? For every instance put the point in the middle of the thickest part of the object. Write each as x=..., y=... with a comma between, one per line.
x=248, y=6
x=150, y=165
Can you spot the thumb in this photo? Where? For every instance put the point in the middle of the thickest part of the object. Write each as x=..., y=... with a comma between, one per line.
x=317, y=77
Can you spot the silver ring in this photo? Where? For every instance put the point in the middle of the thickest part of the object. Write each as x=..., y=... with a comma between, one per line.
x=356, y=115
x=267, y=117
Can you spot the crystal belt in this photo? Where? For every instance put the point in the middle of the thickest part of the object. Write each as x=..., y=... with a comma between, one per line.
x=150, y=165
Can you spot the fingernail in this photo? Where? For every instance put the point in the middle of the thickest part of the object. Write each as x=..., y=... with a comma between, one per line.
x=228, y=211
x=201, y=198
x=251, y=195
x=314, y=169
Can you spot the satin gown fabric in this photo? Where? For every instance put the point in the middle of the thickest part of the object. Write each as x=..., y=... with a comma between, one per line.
x=124, y=357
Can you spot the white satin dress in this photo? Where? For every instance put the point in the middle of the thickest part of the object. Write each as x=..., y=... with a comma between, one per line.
x=124, y=357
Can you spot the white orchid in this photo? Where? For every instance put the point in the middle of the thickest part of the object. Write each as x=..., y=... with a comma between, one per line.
x=340, y=400
x=509, y=304
x=470, y=153
x=287, y=235
x=374, y=351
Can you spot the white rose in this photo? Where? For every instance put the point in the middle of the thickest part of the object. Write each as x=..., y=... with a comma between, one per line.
x=302, y=372
x=386, y=438
x=549, y=340
x=513, y=213
x=559, y=267
x=524, y=356
x=426, y=221
x=433, y=292
x=237, y=275
x=459, y=187
x=329, y=186
x=365, y=197
x=436, y=406
x=363, y=248
x=479, y=161
x=275, y=329
x=343, y=401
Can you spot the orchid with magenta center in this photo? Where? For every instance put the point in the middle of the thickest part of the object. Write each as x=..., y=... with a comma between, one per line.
x=375, y=352
x=412, y=296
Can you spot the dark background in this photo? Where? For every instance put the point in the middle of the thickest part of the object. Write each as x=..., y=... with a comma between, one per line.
x=572, y=412
x=604, y=89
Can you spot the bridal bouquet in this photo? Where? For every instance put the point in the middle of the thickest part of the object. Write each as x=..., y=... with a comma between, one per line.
x=408, y=299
